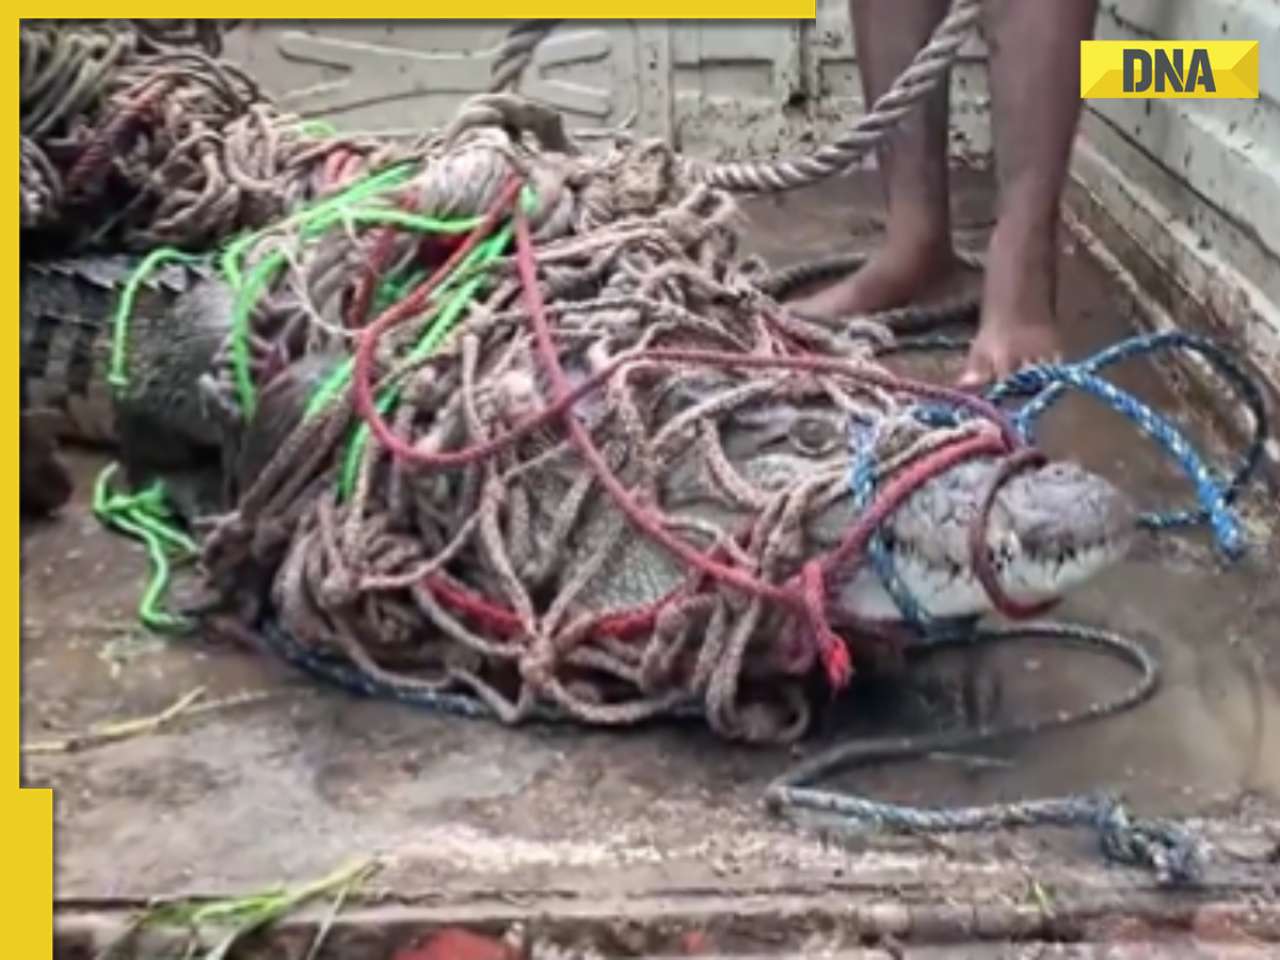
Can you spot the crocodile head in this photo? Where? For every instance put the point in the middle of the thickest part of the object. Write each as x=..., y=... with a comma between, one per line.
x=1049, y=530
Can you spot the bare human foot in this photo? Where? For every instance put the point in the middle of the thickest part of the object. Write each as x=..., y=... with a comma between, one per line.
x=1006, y=343
x=891, y=278
x=1017, y=326
x=1033, y=48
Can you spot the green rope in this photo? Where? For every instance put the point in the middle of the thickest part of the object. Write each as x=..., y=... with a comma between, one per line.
x=146, y=516
x=396, y=287
x=483, y=256
x=117, y=374
x=443, y=323
x=414, y=221
x=357, y=192
x=468, y=275
x=311, y=224
x=246, y=295
x=341, y=375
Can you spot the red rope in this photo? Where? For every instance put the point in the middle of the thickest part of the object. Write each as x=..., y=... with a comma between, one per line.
x=375, y=264
x=1025, y=459
x=805, y=594
x=363, y=374
x=94, y=159
x=648, y=520
x=938, y=462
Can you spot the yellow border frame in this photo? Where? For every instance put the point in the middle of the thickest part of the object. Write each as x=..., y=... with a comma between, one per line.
x=512, y=10
x=27, y=815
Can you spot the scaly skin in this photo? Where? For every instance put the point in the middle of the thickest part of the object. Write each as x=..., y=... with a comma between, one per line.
x=1050, y=529
x=45, y=485
x=159, y=423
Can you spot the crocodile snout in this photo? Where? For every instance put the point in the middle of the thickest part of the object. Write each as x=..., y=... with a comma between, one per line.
x=1054, y=528
x=1050, y=530
x=1063, y=508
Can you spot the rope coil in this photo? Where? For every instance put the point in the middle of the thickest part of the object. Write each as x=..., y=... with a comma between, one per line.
x=1175, y=854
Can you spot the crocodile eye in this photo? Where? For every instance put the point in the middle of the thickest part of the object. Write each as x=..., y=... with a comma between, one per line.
x=814, y=436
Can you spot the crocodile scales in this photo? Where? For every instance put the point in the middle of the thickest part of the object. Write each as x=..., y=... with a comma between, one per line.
x=159, y=420
x=1053, y=528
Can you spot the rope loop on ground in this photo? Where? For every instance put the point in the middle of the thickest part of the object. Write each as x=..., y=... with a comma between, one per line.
x=1174, y=853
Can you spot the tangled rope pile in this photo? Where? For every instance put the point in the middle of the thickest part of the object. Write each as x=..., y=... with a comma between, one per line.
x=456, y=531
x=181, y=147
x=143, y=118
x=648, y=296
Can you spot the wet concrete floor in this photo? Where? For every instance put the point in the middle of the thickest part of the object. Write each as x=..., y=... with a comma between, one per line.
x=285, y=790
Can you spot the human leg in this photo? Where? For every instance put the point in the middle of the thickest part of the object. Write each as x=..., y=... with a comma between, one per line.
x=1034, y=63
x=916, y=261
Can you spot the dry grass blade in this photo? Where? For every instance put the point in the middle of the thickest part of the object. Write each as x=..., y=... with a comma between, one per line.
x=183, y=708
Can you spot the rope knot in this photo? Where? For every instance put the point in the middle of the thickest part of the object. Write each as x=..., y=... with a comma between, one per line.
x=538, y=669
x=1176, y=854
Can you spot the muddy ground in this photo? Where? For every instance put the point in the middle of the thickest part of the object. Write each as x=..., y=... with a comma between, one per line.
x=531, y=822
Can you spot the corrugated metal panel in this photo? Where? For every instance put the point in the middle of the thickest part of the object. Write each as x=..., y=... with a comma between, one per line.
x=396, y=75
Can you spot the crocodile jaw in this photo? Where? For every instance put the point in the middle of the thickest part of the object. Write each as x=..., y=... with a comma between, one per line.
x=1049, y=531
x=944, y=593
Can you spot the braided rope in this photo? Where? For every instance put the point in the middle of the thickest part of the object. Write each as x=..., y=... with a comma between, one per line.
x=1176, y=855
x=492, y=575
x=930, y=67
x=180, y=148
x=1049, y=383
x=653, y=268
x=624, y=287
x=516, y=52
x=638, y=262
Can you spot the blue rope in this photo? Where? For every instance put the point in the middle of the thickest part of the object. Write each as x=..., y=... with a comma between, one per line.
x=342, y=674
x=1175, y=853
x=1048, y=383
x=863, y=482
x=1215, y=497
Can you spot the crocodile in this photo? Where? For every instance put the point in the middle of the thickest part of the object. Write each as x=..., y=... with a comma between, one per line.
x=160, y=422
x=1050, y=530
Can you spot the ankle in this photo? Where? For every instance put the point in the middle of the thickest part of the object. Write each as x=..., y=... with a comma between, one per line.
x=1021, y=272
x=919, y=255
x=1026, y=234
